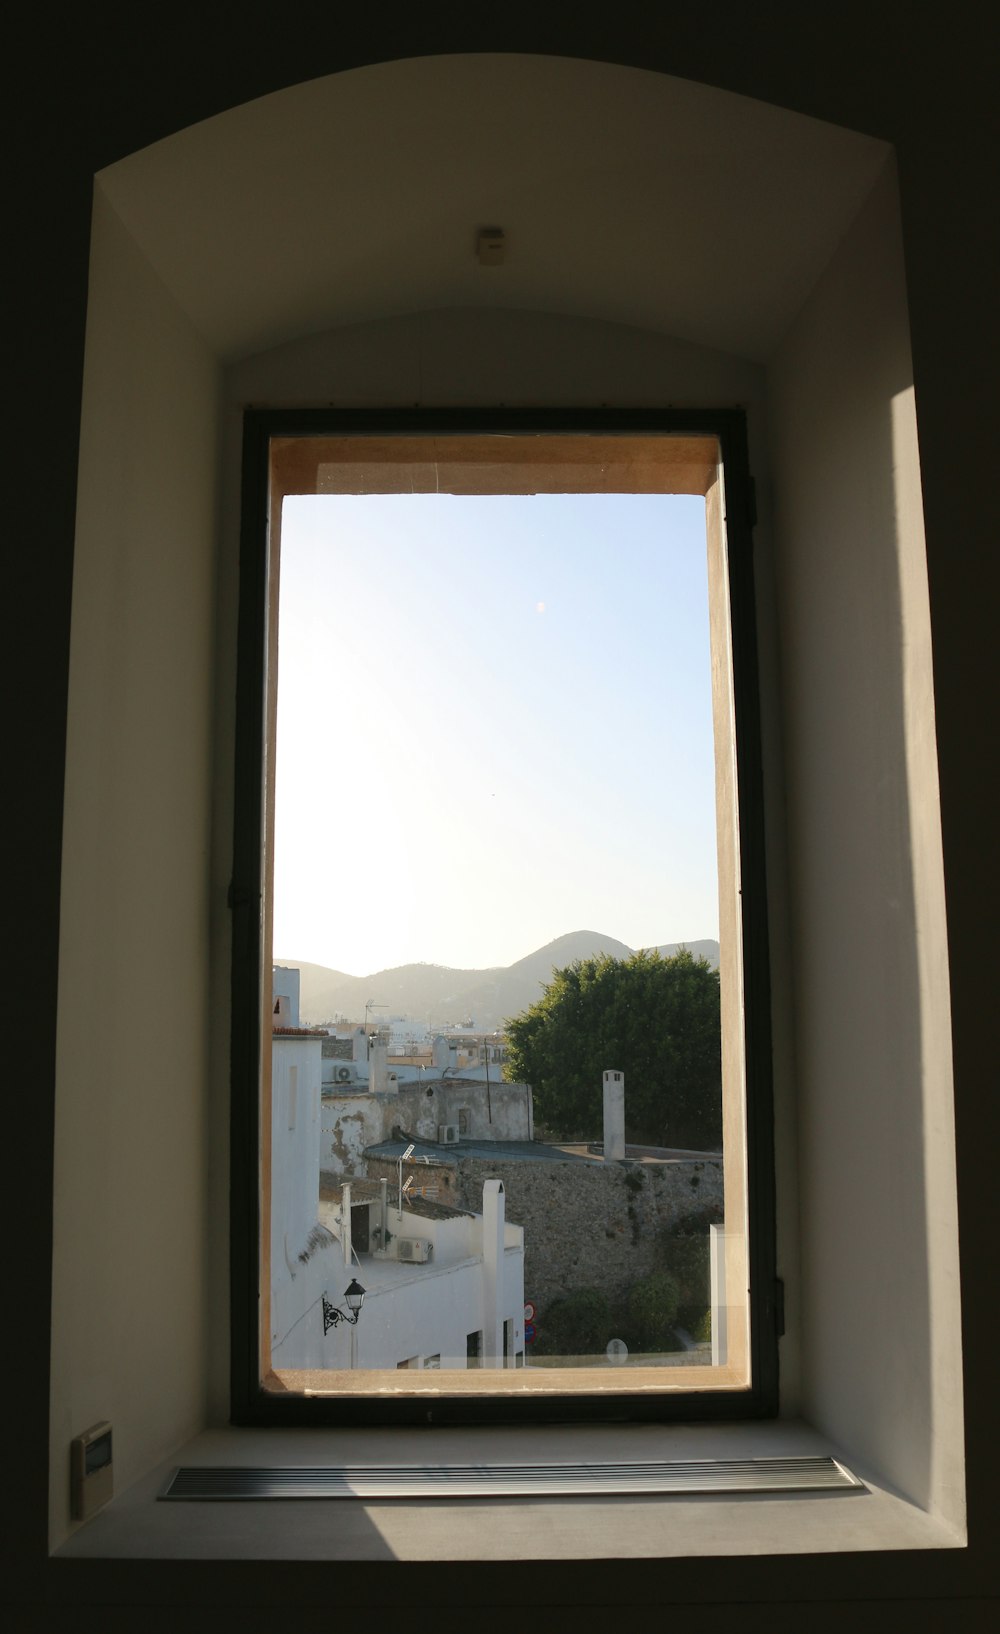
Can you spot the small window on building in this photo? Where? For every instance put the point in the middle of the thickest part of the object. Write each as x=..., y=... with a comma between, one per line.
x=474, y=1349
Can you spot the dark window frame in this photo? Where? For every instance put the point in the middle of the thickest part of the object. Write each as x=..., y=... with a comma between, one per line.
x=250, y=1403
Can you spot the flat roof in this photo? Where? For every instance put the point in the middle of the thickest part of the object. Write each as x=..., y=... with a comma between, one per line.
x=491, y=1151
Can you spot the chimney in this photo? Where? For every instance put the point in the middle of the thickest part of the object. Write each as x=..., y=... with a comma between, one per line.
x=285, y=989
x=378, y=1065
x=614, y=1116
x=493, y=1239
x=345, y=1224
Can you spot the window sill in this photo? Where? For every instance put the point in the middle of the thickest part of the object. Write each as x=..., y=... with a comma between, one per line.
x=136, y=1526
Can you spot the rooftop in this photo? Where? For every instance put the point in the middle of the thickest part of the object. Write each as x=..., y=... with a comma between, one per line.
x=490, y=1151
x=428, y=1209
x=369, y=1191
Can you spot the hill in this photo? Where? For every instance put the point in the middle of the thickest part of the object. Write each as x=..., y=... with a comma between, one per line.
x=700, y=950
x=445, y=996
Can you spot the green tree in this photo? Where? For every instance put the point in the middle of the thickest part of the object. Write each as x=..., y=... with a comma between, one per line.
x=652, y=1312
x=655, y=1019
x=683, y=1251
x=579, y=1324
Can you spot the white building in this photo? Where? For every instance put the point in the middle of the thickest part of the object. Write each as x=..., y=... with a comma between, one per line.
x=299, y=1246
x=407, y=1036
x=285, y=988
x=443, y=1287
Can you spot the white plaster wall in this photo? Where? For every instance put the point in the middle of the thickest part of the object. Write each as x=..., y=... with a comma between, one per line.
x=431, y=1314
x=132, y=1167
x=435, y=1312
x=451, y=1240
x=297, y=1338
x=880, y=1309
x=473, y=355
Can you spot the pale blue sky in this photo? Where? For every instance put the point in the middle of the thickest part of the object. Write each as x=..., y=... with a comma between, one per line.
x=494, y=726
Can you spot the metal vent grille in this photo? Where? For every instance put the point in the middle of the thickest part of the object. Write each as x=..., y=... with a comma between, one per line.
x=221, y=1483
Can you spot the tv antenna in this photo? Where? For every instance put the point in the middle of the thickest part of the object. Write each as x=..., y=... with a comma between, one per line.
x=403, y=1159
x=370, y=1004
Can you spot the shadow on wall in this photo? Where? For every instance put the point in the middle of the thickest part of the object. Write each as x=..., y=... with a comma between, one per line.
x=855, y=636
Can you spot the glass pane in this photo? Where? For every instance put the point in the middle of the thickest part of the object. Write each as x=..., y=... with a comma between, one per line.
x=496, y=1063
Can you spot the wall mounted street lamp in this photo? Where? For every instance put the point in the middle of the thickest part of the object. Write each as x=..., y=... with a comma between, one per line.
x=354, y=1296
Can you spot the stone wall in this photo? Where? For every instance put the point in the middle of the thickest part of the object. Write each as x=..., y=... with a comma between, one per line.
x=591, y=1225
x=435, y=1181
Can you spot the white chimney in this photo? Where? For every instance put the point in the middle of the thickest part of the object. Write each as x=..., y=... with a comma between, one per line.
x=493, y=1240
x=345, y=1224
x=285, y=988
x=378, y=1066
x=614, y=1116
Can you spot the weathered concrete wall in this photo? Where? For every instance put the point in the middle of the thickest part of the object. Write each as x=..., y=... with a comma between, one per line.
x=349, y=1123
x=591, y=1226
x=496, y=1111
x=353, y=1119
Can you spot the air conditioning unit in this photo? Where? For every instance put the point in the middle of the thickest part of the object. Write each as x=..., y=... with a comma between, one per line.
x=447, y=1134
x=414, y=1249
x=344, y=1075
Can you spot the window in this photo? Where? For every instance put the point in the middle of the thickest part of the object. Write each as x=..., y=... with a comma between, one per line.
x=483, y=455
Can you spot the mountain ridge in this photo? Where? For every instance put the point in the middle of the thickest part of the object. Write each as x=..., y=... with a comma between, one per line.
x=448, y=995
